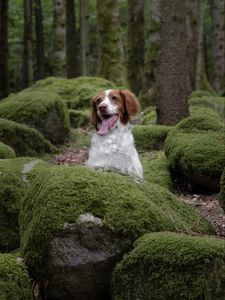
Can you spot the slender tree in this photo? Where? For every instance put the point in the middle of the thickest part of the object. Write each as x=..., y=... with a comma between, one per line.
x=3, y=49
x=109, y=42
x=71, y=52
x=135, y=44
x=27, y=40
x=59, y=63
x=84, y=36
x=40, y=53
x=172, y=105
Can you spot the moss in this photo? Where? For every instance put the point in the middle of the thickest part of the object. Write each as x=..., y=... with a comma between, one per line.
x=6, y=151
x=196, y=111
x=156, y=169
x=196, y=149
x=172, y=266
x=222, y=190
x=77, y=92
x=80, y=138
x=62, y=193
x=79, y=118
x=13, y=185
x=24, y=140
x=199, y=94
x=44, y=111
x=149, y=118
x=150, y=137
x=14, y=281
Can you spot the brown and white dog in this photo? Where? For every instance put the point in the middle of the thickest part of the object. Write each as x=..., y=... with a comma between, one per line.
x=112, y=146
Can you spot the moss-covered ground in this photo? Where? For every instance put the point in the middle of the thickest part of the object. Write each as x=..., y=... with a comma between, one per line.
x=172, y=266
x=6, y=151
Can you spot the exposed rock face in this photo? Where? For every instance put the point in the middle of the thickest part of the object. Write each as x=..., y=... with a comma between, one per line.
x=82, y=258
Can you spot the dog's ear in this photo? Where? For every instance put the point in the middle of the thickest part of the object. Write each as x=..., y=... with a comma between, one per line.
x=131, y=103
x=94, y=116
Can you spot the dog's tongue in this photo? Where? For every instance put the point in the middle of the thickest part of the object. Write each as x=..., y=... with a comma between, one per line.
x=107, y=124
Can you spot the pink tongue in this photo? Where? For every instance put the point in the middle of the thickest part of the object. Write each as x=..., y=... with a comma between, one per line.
x=107, y=124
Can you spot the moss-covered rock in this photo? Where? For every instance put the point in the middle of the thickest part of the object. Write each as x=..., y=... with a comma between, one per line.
x=172, y=266
x=6, y=151
x=42, y=110
x=24, y=140
x=80, y=138
x=222, y=191
x=156, y=168
x=14, y=180
x=195, y=148
x=196, y=111
x=149, y=117
x=150, y=137
x=75, y=92
x=79, y=118
x=14, y=281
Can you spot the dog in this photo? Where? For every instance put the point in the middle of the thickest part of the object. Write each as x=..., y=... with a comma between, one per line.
x=112, y=146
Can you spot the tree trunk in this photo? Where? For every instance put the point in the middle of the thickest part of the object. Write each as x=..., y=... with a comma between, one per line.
x=172, y=106
x=3, y=49
x=40, y=53
x=150, y=86
x=109, y=43
x=59, y=64
x=27, y=55
x=135, y=44
x=71, y=54
x=84, y=36
x=218, y=45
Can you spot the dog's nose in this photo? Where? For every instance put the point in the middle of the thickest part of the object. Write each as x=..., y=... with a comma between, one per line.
x=103, y=107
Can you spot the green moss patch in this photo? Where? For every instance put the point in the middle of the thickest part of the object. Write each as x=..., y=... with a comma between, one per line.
x=14, y=281
x=150, y=137
x=195, y=148
x=77, y=92
x=149, y=117
x=62, y=193
x=23, y=139
x=172, y=266
x=6, y=151
x=79, y=118
x=156, y=168
x=42, y=110
x=15, y=177
x=80, y=138
x=199, y=94
x=222, y=190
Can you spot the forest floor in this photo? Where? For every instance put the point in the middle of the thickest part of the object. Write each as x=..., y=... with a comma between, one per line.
x=206, y=204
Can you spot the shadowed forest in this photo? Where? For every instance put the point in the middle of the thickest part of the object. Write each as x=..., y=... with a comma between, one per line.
x=69, y=231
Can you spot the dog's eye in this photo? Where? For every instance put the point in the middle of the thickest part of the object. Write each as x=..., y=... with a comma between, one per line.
x=98, y=100
x=114, y=98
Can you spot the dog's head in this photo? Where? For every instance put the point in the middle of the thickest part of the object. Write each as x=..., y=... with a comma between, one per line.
x=111, y=105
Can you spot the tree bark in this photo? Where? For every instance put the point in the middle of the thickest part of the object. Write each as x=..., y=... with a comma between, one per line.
x=3, y=49
x=135, y=44
x=84, y=36
x=109, y=42
x=59, y=63
x=28, y=76
x=172, y=106
x=218, y=45
x=40, y=53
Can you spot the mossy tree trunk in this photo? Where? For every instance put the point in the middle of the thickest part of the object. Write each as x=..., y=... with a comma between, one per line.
x=71, y=49
x=109, y=41
x=40, y=53
x=218, y=44
x=172, y=105
x=59, y=39
x=3, y=48
x=150, y=87
x=28, y=74
x=84, y=36
x=135, y=44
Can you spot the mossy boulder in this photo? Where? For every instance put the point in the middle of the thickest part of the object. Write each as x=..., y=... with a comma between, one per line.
x=150, y=137
x=24, y=140
x=79, y=118
x=74, y=212
x=195, y=148
x=149, y=117
x=75, y=92
x=14, y=280
x=196, y=111
x=6, y=151
x=172, y=266
x=14, y=180
x=42, y=110
x=156, y=168
x=222, y=191
x=80, y=138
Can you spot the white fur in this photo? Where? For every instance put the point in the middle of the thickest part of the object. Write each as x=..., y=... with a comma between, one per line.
x=111, y=108
x=116, y=151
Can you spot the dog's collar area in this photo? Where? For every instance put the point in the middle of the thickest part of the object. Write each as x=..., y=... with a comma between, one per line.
x=107, y=124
